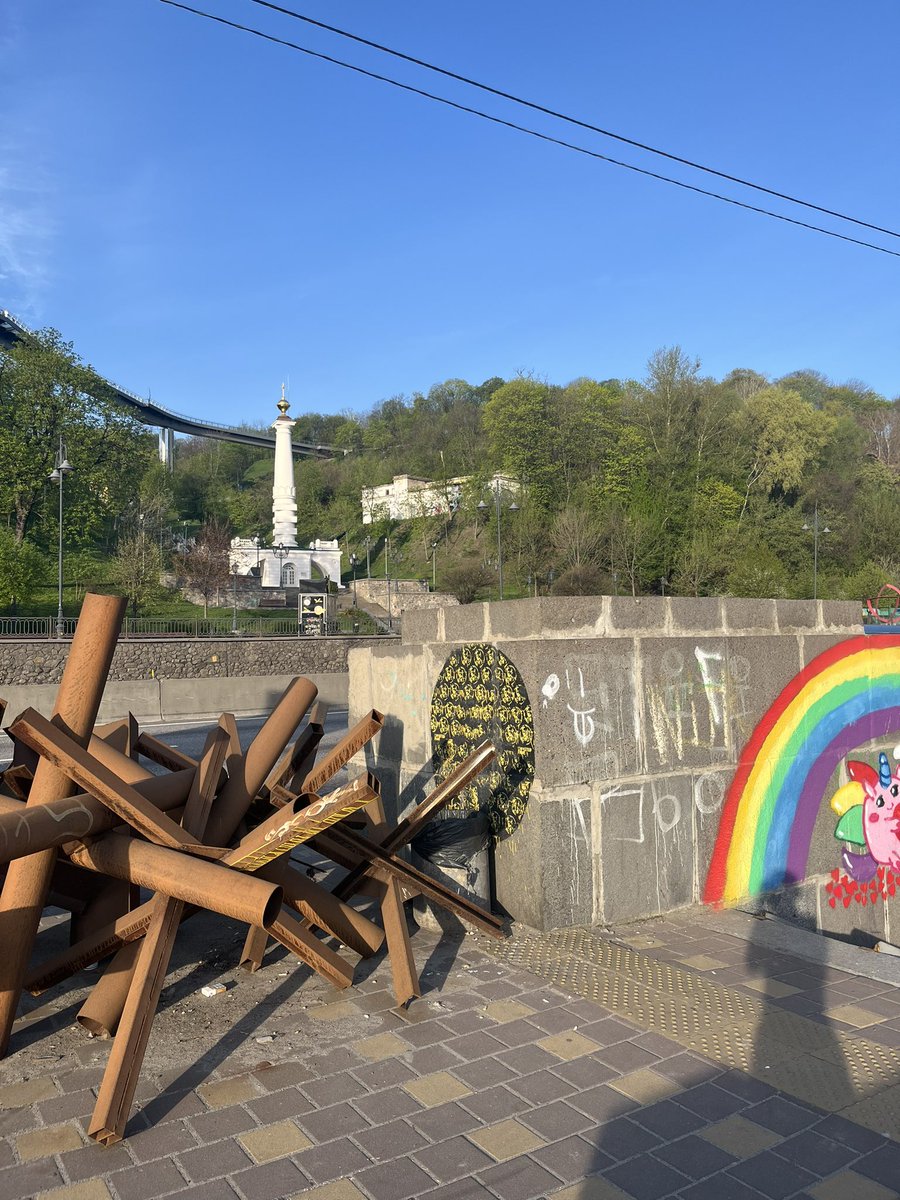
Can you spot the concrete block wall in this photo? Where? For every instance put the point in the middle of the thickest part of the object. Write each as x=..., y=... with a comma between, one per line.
x=641, y=708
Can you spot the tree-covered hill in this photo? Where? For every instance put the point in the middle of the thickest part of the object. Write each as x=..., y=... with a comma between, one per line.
x=676, y=482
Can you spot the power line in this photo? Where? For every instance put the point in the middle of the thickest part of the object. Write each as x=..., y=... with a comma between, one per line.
x=544, y=137
x=619, y=137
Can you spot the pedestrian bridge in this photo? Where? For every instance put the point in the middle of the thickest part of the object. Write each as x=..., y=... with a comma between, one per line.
x=148, y=412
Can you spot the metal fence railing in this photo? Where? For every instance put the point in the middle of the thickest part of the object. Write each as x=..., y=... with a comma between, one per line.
x=346, y=625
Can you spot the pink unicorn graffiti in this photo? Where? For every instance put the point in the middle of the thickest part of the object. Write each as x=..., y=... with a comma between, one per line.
x=869, y=811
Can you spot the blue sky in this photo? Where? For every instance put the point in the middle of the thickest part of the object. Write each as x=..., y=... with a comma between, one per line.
x=204, y=214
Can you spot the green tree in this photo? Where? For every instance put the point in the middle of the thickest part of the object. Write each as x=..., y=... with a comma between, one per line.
x=587, y=415
x=758, y=573
x=136, y=568
x=635, y=538
x=664, y=405
x=523, y=437
x=528, y=541
x=350, y=434
x=627, y=466
x=86, y=569
x=46, y=391
x=783, y=437
x=20, y=570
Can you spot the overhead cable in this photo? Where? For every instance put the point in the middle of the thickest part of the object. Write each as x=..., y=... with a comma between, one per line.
x=559, y=116
x=544, y=137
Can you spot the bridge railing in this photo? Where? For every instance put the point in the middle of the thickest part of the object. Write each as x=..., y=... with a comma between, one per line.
x=347, y=625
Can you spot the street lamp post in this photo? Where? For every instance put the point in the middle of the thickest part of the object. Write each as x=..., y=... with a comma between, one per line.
x=62, y=468
x=234, y=568
x=434, y=566
x=353, y=561
x=512, y=508
x=368, y=558
x=281, y=552
x=815, y=531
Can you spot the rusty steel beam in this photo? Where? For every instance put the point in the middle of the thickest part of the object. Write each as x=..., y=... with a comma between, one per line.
x=297, y=761
x=152, y=960
x=17, y=781
x=254, y=950
x=124, y=1064
x=361, y=733
x=347, y=847
x=321, y=910
x=295, y=937
x=404, y=974
x=103, y=1008
x=163, y=755
x=296, y=823
x=89, y=950
x=89, y=773
x=403, y=833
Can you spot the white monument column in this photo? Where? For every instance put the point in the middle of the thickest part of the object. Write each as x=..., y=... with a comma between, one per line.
x=284, y=494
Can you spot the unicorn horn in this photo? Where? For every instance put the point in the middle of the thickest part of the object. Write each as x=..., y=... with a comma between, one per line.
x=884, y=769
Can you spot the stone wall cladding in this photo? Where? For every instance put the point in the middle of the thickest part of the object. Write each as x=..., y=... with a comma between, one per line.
x=641, y=708
x=407, y=595
x=42, y=662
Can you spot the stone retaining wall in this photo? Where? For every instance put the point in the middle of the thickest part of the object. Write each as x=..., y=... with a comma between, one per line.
x=406, y=595
x=183, y=678
x=42, y=662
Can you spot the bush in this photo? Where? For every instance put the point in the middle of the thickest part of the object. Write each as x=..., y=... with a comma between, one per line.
x=466, y=582
x=758, y=574
x=586, y=580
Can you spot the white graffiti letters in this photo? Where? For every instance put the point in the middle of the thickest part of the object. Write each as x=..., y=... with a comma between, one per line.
x=584, y=723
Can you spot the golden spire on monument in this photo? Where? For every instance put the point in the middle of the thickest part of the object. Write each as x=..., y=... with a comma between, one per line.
x=283, y=405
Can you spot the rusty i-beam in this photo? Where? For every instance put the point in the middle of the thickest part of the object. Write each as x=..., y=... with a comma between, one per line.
x=124, y=1064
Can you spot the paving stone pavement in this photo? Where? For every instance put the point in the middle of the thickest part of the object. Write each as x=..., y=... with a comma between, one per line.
x=509, y=1083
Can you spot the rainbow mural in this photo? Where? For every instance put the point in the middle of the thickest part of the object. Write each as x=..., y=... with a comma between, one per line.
x=844, y=697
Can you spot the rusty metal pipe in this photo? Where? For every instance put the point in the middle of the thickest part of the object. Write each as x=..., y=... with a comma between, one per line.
x=26, y=829
x=102, y=1010
x=28, y=879
x=193, y=880
x=247, y=774
x=124, y=765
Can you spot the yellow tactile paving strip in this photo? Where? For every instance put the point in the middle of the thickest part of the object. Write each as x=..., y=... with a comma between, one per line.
x=834, y=1070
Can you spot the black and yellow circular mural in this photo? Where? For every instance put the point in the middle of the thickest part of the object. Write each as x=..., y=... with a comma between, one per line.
x=480, y=694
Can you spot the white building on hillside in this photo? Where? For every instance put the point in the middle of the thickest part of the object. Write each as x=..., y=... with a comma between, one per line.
x=408, y=497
